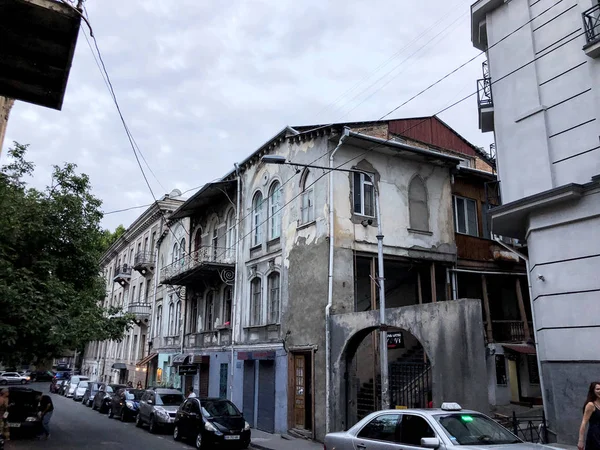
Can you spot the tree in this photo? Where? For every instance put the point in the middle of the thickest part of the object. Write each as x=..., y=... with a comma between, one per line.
x=50, y=246
x=109, y=238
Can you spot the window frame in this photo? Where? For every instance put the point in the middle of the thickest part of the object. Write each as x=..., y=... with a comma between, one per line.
x=412, y=201
x=466, y=210
x=209, y=310
x=274, y=210
x=257, y=214
x=230, y=221
x=307, y=199
x=159, y=315
x=271, y=301
x=255, y=318
x=364, y=180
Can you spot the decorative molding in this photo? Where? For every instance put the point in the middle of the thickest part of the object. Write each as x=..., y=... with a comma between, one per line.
x=227, y=276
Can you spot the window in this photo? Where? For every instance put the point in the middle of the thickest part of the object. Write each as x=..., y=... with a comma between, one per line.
x=273, y=282
x=171, y=321
x=140, y=291
x=215, y=242
x=158, y=327
x=364, y=195
x=381, y=428
x=465, y=216
x=175, y=255
x=274, y=211
x=133, y=294
x=182, y=248
x=178, y=318
x=210, y=303
x=227, y=301
x=413, y=429
x=255, y=302
x=532, y=368
x=257, y=213
x=501, y=370
x=145, y=244
x=417, y=205
x=307, y=207
x=230, y=237
x=193, y=314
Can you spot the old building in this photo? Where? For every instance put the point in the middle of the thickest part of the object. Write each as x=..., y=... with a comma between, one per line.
x=130, y=269
x=539, y=95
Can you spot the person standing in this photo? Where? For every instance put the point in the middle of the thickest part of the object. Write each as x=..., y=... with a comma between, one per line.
x=46, y=410
x=139, y=385
x=4, y=429
x=191, y=393
x=591, y=419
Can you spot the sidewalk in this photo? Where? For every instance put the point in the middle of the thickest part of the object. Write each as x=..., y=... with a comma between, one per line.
x=267, y=441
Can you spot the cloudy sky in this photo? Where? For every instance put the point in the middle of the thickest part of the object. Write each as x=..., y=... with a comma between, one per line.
x=204, y=83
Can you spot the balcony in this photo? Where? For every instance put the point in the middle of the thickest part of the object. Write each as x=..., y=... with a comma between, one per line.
x=122, y=274
x=144, y=263
x=485, y=102
x=510, y=331
x=141, y=310
x=206, y=262
x=213, y=338
x=591, y=24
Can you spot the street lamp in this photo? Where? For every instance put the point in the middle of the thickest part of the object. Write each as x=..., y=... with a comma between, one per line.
x=385, y=401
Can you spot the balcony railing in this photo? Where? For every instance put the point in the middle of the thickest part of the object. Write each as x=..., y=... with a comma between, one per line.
x=144, y=262
x=485, y=102
x=211, y=338
x=141, y=310
x=205, y=255
x=591, y=23
x=122, y=274
x=510, y=331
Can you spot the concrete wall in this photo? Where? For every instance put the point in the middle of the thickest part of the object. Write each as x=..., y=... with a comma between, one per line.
x=451, y=334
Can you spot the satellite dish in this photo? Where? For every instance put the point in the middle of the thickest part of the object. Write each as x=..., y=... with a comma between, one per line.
x=175, y=193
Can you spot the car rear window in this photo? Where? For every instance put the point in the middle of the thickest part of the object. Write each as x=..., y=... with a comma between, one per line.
x=169, y=399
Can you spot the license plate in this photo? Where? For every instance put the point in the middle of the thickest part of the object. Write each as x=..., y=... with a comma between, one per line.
x=14, y=425
x=232, y=438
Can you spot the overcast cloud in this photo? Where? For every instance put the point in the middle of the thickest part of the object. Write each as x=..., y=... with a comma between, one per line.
x=203, y=83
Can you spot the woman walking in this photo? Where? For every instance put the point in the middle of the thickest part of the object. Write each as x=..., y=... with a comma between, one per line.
x=591, y=419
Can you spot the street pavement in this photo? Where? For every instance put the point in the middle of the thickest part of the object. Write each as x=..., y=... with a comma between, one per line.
x=74, y=426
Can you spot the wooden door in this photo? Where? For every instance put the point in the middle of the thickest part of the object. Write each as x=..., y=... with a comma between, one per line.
x=300, y=391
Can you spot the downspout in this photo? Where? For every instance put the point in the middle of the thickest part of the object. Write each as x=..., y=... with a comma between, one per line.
x=156, y=278
x=183, y=302
x=343, y=137
x=234, y=301
x=535, y=333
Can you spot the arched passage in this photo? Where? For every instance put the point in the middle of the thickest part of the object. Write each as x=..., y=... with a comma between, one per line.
x=451, y=334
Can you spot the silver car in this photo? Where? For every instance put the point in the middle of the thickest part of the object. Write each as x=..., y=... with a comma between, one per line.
x=447, y=428
x=13, y=378
x=158, y=408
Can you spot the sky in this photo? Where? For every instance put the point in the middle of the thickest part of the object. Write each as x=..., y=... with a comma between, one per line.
x=202, y=84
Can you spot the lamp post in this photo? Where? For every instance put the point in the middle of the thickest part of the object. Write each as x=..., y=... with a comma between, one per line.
x=385, y=401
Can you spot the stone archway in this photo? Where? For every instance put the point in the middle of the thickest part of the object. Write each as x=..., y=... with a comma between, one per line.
x=451, y=334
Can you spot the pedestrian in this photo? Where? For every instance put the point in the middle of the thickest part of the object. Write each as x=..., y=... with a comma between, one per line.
x=4, y=429
x=139, y=385
x=591, y=419
x=129, y=384
x=46, y=410
x=191, y=393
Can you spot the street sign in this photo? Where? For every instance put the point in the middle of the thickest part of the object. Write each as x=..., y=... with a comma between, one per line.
x=188, y=370
x=395, y=340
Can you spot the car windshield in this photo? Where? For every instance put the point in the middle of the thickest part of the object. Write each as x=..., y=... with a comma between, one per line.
x=83, y=384
x=109, y=390
x=219, y=408
x=134, y=394
x=475, y=429
x=169, y=399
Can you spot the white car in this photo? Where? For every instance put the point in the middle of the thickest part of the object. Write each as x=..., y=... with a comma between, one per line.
x=13, y=378
x=80, y=390
x=73, y=382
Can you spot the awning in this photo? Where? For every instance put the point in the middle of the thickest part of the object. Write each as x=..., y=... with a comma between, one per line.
x=181, y=358
x=525, y=349
x=119, y=366
x=147, y=359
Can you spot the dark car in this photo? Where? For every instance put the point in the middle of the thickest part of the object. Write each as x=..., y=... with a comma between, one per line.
x=211, y=422
x=23, y=417
x=125, y=404
x=62, y=386
x=62, y=375
x=104, y=395
x=90, y=393
x=42, y=375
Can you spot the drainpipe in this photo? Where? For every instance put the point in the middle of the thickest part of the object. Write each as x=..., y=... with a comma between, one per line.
x=156, y=275
x=234, y=303
x=345, y=134
x=535, y=333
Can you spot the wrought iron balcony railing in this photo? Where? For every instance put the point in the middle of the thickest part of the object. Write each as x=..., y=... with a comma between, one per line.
x=203, y=256
x=591, y=23
x=122, y=274
x=143, y=259
x=140, y=309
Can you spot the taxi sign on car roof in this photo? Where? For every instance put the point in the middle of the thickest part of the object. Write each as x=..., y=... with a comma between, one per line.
x=451, y=406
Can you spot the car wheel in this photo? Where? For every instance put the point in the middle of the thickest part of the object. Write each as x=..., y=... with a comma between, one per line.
x=199, y=441
x=23, y=381
x=138, y=421
x=176, y=435
x=93, y=406
x=110, y=412
x=153, y=428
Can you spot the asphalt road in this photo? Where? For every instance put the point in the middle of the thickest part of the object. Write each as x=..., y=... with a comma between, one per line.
x=74, y=426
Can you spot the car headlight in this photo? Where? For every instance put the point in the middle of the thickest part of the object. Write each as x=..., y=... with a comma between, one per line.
x=210, y=427
x=246, y=426
x=161, y=412
x=31, y=419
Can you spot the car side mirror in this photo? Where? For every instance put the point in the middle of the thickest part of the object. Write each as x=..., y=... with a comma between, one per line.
x=430, y=442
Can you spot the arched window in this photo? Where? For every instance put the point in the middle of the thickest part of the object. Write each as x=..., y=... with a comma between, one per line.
x=230, y=237
x=417, y=205
x=171, y=320
x=178, y=318
x=227, y=302
x=158, y=325
x=198, y=239
x=275, y=210
x=257, y=218
x=214, y=241
x=256, y=301
x=274, y=297
x=209, y=313
x=175, y=255
x=182, y=248
x=307, y=207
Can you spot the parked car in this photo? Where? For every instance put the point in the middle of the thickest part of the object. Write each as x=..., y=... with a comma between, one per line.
x=42, y=375
x=446, y=428
x=58, y=387
x=22, y=417
x=125, y=404
x=90, y=393
x=13, y=378
x=211, y=422
x=62, y=375
x=73, y=382
x=104, y=395
x=158, y=408
x=80, y=390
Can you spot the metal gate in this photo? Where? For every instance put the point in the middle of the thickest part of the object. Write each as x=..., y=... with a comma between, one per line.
x=410, y=384
x=248, y=394
x=266, y=396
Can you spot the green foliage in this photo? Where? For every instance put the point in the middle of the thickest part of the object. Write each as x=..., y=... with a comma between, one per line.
x=109, y=238
x=50, y=246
